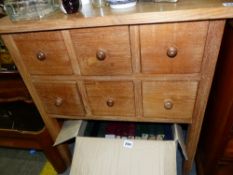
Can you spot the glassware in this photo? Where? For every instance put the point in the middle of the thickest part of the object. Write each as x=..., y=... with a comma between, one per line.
x=99, y=3
x=27, y=9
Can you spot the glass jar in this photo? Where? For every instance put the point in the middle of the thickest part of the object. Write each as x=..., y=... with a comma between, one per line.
x=99, y=3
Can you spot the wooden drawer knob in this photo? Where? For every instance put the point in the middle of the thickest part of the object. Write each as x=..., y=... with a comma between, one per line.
x=110, y=103
x=171, y=52
x=41, y=56
x=168, y=104
x=58, y=101
x=100, y=55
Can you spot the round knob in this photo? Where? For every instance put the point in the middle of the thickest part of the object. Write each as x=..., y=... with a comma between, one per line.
x=110, y=102
x=100, y=55
x=168, y=104
x=171, y=52
x=41, y=56
x=58, y=101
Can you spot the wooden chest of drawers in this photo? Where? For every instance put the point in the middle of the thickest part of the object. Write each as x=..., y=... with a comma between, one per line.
x=94, y=74
x=147, y=72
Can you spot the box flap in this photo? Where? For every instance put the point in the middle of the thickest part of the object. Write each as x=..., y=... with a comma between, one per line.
x=70, y=129
x=99, y=156
x=178, y=136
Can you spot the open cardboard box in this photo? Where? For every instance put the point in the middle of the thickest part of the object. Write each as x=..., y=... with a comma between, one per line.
x=103, y=156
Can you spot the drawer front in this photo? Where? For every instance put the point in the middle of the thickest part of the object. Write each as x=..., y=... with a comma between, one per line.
x=103, y=51
x=60, y=98
x=173, y=48
x=44, y=53
x=111, y=98
x=169, y=99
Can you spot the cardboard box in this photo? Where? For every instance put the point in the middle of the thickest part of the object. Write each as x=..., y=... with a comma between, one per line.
x=102, y=156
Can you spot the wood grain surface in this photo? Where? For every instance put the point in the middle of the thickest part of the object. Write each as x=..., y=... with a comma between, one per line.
x=113, y=41
x=121, y=93
x=182, y=95
x=188, y=38
x=68, y=94
x=52, y=44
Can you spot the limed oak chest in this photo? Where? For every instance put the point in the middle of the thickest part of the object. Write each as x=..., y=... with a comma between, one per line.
x=148, y=65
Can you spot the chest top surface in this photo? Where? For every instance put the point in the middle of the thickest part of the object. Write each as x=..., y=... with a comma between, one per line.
x=144, y=12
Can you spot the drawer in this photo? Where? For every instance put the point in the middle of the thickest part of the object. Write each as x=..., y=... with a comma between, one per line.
x=60, y=98
x=169, y=99
x=111, y=98
x=173, y=48
x=103, y=51
x=43, y=53
x=92, y=154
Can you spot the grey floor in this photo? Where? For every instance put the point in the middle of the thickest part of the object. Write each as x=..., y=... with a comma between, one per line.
x=22, y=162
